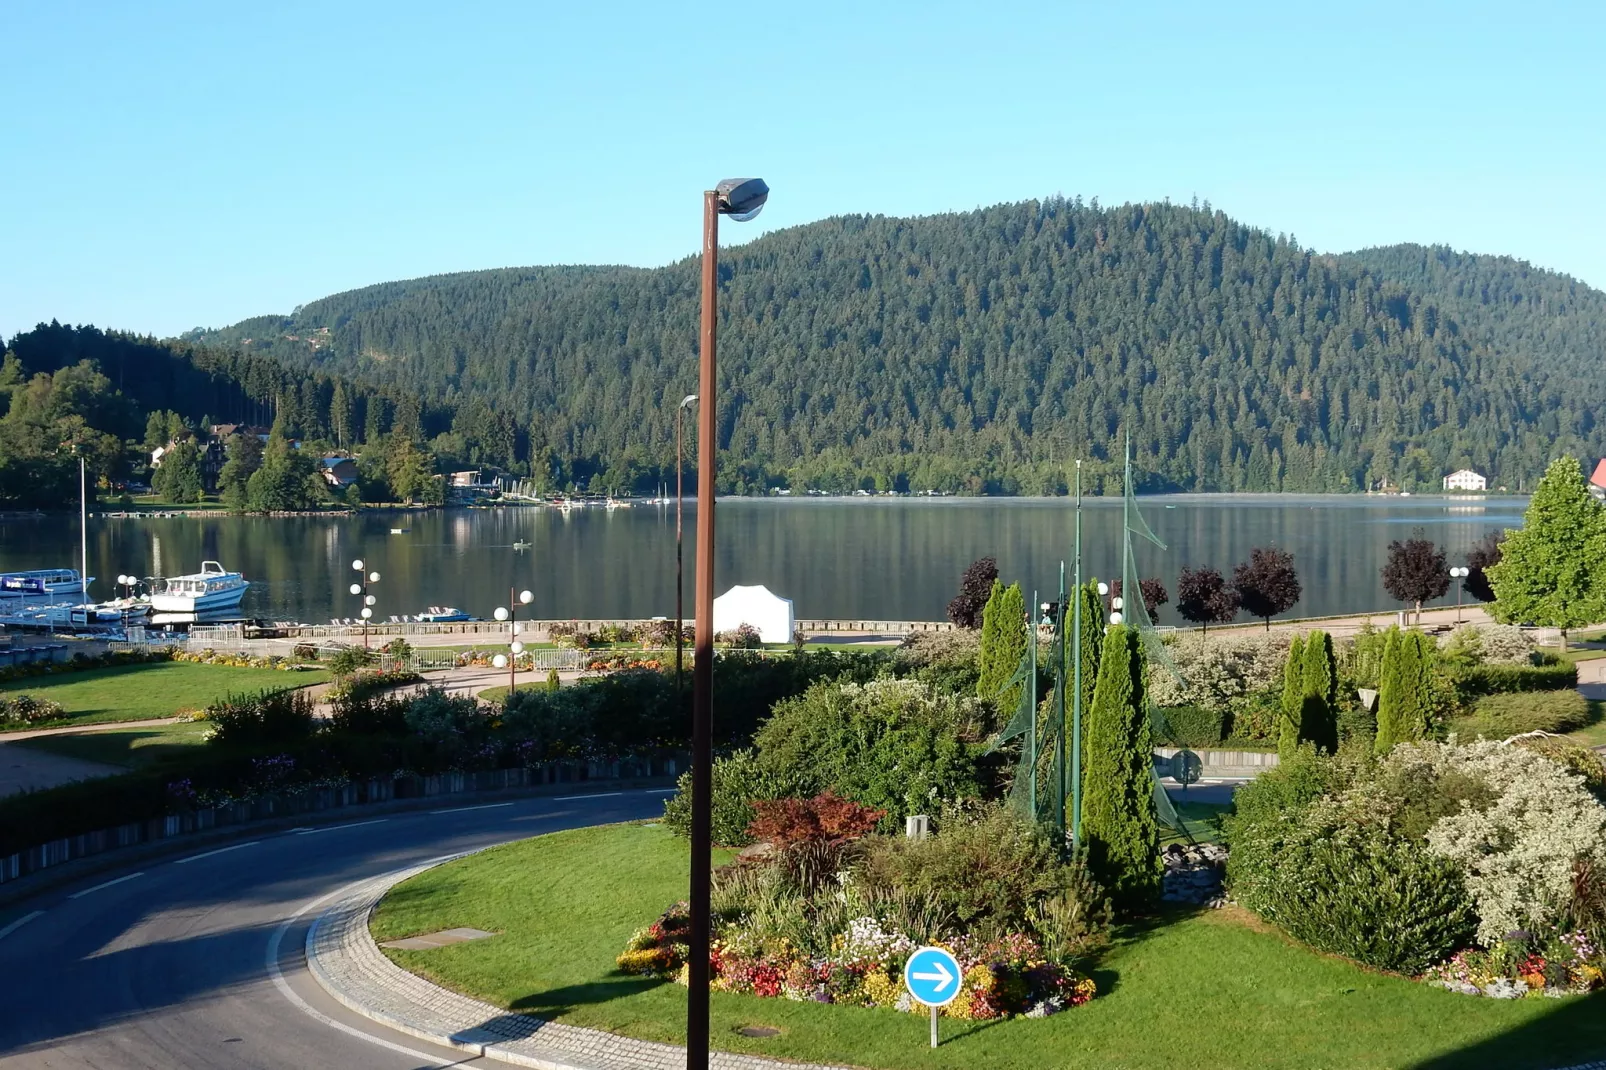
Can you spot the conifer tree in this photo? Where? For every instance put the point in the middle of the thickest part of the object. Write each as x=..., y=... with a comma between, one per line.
x=1550, y=570
x=1288, y=734
x=1118, y=815
x=1406, y=697
x=1004, y=635
x=1319, y=706
x=1092, y=643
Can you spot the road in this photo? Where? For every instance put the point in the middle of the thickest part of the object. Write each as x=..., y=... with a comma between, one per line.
x=196, y=960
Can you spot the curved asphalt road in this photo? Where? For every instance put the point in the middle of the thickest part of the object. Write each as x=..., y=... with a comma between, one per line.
x=172, y=963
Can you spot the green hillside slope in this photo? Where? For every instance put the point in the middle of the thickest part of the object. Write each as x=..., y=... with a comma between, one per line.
x=980, y=350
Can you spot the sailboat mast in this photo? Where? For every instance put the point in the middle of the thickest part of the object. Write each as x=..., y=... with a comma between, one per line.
x=83, y=530
x=1076, y=678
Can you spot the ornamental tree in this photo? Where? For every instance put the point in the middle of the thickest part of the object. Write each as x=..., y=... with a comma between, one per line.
x=1551, y=570
x=1004, y=635
x=1416, y=571
x=974, y=587
x=1205, y=598
x=1483, y=555
x=1118, y=817
x=1405, y=698
x=1267, y=583
x=1154, y=596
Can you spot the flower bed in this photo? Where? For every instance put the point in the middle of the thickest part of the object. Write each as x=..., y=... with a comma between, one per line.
x=239, y=661
x=1524, y=964
x=1002, y=977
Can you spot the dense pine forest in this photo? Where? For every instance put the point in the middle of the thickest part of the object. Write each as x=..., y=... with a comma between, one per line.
x=980, y=351
x=975, y=352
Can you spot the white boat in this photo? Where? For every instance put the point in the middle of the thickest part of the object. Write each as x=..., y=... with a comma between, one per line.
x=442, y=615
x=214, y=587
x=42, y=583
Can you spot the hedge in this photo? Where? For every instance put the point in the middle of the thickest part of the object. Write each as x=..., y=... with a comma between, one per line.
x=1501, y=716
x=1192, y=726
x=1476, y=681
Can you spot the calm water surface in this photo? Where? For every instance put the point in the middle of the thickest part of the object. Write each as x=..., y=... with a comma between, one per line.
x=888, y=559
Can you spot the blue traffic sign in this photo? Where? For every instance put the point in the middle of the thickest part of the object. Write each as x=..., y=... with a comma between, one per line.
x=932, y=976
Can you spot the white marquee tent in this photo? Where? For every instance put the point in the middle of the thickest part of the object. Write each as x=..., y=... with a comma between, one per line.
x=769, y=613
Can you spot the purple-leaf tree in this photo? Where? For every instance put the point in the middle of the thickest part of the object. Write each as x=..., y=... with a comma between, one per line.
x=1154, y=596
x=1204, y=597
x=1484, y=555
x=974, y=588
x=1267, y=583
x=1416, y=571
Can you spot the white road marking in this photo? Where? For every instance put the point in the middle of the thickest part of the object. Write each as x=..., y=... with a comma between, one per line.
x=460, y=809
x=598, y=795
x=219, y=851
x=336, y=828
x=19, y=923
x=274, y=943
x=108, y=884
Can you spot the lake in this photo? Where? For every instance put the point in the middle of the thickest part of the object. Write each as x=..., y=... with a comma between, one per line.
x=884, y=559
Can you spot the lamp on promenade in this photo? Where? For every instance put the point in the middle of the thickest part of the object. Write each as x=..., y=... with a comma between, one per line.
x=680, y=566
x=741, y=199
x=515, y=648
x=1460, y=572
x=368, y=600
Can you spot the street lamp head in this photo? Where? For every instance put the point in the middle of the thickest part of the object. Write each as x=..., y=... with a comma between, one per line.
x=1117, y=602
x=370, y=600
x=500, y=661
x=366, y=613
x=742, y=198
x=356, y=588
x=501, y=613
x=373, y=577
x=687, y=401
x=1103, y=589
x=1116, y=618
x=357, y=565
x=526, y=597
x=517, y=648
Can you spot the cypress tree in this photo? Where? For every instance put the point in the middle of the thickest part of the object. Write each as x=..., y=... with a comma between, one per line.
x=1388, y=689
x=1118, y=815
x=1004, y=635
x=1092, y=645
x=1288, y=734
x=988, y=681
x=1319, y=709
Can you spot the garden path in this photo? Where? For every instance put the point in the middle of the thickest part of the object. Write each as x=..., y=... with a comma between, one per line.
x=25, y=769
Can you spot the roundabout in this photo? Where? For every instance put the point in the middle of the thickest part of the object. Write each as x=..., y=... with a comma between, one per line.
x=196, y=960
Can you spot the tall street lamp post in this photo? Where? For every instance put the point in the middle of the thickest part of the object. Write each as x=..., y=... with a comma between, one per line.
x=741, y=199
x=1460, y=572
x=515, y=648
x=680, y=560
x=368, y=600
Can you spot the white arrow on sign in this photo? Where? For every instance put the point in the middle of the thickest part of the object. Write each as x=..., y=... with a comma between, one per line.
x=942, y=977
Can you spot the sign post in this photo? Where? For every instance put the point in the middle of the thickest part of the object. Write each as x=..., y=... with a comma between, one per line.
x=932, y=977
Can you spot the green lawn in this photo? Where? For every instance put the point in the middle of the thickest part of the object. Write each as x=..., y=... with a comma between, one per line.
x=131, y=748
x=140, y=692
x=1211, y=989
x=1594, y=733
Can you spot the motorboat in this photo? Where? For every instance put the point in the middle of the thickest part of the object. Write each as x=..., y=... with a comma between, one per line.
x=214, y=587
x=442, y=615
x=42, y=583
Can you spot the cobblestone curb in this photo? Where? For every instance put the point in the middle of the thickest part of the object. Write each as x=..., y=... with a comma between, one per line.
x=345, y=961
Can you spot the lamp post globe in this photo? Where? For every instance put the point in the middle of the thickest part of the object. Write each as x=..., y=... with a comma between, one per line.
x=369, y=600
x=1116, y=618
x=1117, y=602
x=500, y=661
x=501, y=613
x=526, y=597
x=357, y=565
x=366, y=613
x=517, y=648
x=356, y=588
x=373, y=577
x=1103, y=588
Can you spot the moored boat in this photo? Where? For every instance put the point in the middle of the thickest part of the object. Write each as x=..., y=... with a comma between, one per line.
x=214, y=587
x=42, y=583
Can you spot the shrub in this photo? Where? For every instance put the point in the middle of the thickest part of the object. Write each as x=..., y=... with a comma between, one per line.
x=1361, y=657
x=25, y=709
x=988, y=872
x=552, y=681
x=1118, y=810
x=1218, y=670
x=738, y=782
x=348, y=659
x=266, y=717
x=1489, y=644
x=398, y=648
x=368, y=714
x=1501, y=716
x=305, y=652
x=896, y=745
x=1192, y=726
x=812, y=836
x=569, y=635
x=437, y=718
x=1586, y=764
x=743, y=637
x=1354, y=890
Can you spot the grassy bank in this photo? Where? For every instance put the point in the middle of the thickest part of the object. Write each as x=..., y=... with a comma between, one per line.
x=1214, y=988
x=141, y=692
x=130, y=748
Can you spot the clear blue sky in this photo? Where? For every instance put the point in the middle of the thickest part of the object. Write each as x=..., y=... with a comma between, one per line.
x=165, y=165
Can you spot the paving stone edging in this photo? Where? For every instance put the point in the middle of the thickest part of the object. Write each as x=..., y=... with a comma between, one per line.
x=345, y=961
x=343, y=958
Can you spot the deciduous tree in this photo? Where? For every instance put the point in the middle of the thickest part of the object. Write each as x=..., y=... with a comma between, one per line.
x=1550, y=571
x=1154, y=596
x=974, y=588
x=1205, y=598
x=1267, y=583
x=1416, y=571
x=1483, y=556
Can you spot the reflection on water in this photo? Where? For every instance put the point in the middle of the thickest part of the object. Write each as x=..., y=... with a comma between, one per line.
x=888, y=559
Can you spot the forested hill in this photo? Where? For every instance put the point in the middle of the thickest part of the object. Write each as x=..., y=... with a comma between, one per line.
x=983, y=350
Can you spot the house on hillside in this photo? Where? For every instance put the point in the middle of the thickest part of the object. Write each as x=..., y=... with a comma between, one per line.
x=1465, y=479
x=1597, y=481
x=338, y=472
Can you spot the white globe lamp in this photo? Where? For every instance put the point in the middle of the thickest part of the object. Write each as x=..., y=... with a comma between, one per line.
x=501, y=613
x=500, y=661
x=357, y=565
